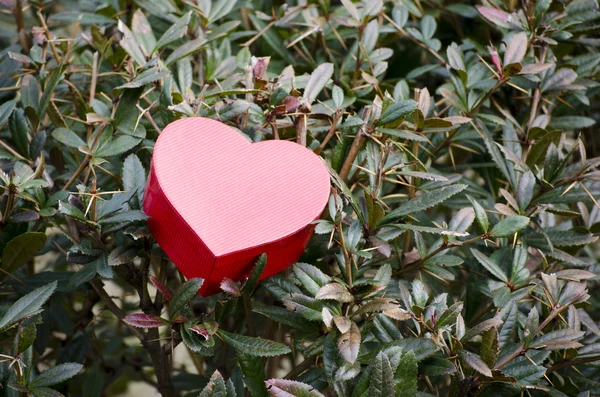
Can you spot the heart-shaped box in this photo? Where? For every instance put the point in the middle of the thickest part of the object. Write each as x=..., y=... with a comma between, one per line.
x=217, y=201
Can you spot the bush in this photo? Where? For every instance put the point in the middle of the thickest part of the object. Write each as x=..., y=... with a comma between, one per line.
x=456, y=255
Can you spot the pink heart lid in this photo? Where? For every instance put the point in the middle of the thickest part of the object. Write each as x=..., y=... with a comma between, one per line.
x=217, y=201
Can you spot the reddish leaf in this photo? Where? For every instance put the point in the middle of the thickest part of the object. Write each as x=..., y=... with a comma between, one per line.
x=142, y=320
x=166, y=291
x=201, y=330
x=231, y=287
x=495, y=15
x=291, y=103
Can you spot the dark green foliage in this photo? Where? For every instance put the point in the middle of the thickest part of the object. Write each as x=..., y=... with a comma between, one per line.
x=457, y=253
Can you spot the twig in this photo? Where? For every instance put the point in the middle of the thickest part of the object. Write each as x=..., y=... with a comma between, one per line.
x=112, y=306
x=356, y=144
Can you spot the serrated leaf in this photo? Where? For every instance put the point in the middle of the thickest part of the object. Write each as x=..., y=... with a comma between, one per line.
x=475, y=362
x=381, y=381
x=349, y=343
x=490, y=347
x=142, y=320
x=449, y=315
x=21, y=250
x=311, y=277
x=146, y=77
x=490, y=265
x=396, y=111
x=254, y=374
x=166, y=291
x=134, y=176
x=56, y=374
x=510, y=225
x=334, y=291
x=257, y=347
x=480, y=214
x=68, y=137
x=175, y=31
x=27, y=305
x=481, y=327
x=183, y=295
x=257, y=270
x=425, y=201
x=406, y=380
x=286, y=388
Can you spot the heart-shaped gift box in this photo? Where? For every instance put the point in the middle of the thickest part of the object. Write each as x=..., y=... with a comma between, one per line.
x=217, y=201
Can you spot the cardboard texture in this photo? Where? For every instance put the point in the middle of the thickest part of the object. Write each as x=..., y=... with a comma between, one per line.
x=217, y=201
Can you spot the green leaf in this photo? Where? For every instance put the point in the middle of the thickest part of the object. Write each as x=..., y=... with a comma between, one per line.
x=525, y=190
x=489, y=346
x=481, y=327
x=254, y=374
x=56, y=374
x=146, y=77
x=186, y=49
x=286, y=317
x=183, y=295
x=27, y=337
x=130, y=45
x=44, y=392
x=381, y=382
x=475, y=362
x=19, y=130
x=21, y=250
x=257, y=347
x=571, y=123
x=337, y=95
x=176, y=31
x=449, y=316
x=425, y=201
x=115, y=147
x=142, y=31
x=538, y=152
x=30, y=92
x=480, y=214
x=71, y=211
x=311, y=277
x=319, y=77
x=510, y=225
x=406, y=375
x=51, y=82
x=258, y=269
x=27, y=305
x=134, y=176
x=68, y=137
x=490, y=265
x=396, y=111
x=6, y=110
x=196, y=343
x=123, y=217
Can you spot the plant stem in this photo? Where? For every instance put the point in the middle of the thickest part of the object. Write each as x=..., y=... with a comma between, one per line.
x=356, y=144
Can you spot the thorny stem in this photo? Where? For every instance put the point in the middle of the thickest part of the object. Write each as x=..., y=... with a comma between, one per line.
x=331, y=133
x=356, y=144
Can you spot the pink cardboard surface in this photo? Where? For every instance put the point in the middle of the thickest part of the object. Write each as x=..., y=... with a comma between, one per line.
x=217, y=201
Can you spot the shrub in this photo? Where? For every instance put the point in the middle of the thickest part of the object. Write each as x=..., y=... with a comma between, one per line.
x=456, y=255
